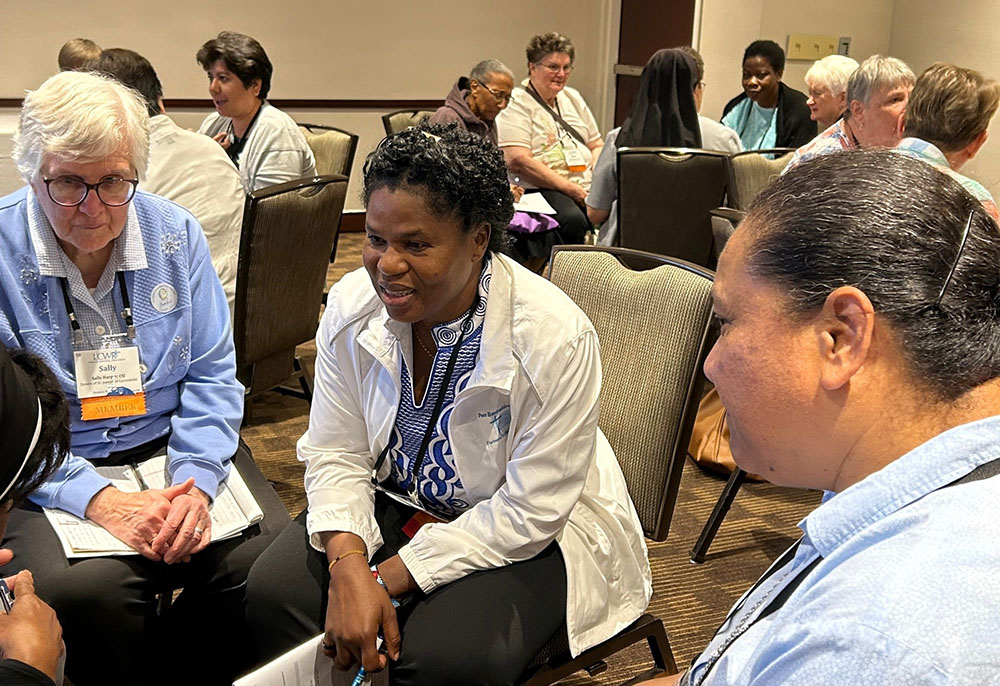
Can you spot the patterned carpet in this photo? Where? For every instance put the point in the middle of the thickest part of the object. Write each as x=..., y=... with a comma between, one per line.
x=691, y=599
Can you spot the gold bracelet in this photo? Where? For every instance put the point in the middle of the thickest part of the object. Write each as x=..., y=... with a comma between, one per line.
x=342, y=556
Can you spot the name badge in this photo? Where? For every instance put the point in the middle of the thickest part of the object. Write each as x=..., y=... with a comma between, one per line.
x=574, y=158
x=109, y=381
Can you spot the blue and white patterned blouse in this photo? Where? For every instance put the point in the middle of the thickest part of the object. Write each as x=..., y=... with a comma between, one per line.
x=438, y=487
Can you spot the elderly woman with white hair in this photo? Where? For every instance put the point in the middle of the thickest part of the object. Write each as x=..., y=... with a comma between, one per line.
x=96, y=270
x=827, y=83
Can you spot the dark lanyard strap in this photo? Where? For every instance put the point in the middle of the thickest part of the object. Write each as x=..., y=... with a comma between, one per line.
x=983, y=471
x=746, y=120
x=438, y=403
x=563, y=124
x=126, y=312
x=236, y=147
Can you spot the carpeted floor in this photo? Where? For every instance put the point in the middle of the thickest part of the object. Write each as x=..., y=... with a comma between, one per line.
x=691, y=599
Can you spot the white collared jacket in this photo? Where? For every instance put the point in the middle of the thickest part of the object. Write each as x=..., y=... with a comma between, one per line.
x=550, y=475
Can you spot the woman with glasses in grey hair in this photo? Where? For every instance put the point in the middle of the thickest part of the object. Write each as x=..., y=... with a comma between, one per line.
x=860, y=355
x=549, y=136
x=114, y=289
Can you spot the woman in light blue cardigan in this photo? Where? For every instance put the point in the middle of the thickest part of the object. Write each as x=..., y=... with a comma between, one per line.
x=92, y=265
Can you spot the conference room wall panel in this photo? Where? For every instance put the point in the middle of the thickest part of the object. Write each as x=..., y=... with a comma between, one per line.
x=344, y=50
x=727, y=27
x=963, y=33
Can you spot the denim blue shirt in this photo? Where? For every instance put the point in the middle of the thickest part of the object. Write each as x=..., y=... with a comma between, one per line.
x=185, y=341
x=908, y=588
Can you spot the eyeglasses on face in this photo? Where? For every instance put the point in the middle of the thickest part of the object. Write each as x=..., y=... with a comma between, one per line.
x=556, y=68
x=69, y=191
x=499, y=96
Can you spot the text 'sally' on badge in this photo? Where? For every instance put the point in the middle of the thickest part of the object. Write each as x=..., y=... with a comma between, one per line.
x=109, y=382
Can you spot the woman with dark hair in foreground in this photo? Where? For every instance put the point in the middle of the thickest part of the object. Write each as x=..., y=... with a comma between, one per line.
x=453, y=445
x=860, y=355
x=34, y=440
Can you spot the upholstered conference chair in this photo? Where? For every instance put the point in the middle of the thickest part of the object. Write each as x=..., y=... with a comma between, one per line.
x=724, y=222
x=649, y=396
x=394, y=122
x=664, y=197
x=750, y=171
x=333, y=148
x=288, y=233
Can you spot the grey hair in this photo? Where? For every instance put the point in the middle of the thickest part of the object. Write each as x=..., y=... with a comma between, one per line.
x=82, y=117
x=833, y=71
x=481, y=72
x=893, y=227
x=876, y=74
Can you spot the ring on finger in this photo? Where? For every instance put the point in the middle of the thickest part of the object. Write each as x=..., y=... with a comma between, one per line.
x=198, y=530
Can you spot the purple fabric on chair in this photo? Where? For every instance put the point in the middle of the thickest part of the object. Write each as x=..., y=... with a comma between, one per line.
x=532, y=222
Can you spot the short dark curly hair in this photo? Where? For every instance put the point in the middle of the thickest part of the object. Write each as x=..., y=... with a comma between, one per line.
x=243, y=56
x=458, y=174
x=770, y=51
x=547, y=43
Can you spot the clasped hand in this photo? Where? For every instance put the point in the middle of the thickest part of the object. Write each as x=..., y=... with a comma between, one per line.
x=169, y=524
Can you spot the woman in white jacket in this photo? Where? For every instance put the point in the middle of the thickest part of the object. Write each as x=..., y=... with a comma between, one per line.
x=453, y=445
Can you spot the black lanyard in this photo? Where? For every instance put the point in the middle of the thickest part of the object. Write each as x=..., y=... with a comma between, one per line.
x=563, y=124
x=126, y=312
x=236, y=147
x=984, y=471
x=438, y=403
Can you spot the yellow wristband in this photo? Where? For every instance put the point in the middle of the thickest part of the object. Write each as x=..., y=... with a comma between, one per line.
x=342, y=556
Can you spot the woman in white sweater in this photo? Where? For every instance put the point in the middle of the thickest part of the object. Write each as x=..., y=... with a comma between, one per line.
x=264, y=142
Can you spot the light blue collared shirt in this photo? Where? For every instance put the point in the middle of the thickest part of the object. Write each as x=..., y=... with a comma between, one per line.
x=908, y=588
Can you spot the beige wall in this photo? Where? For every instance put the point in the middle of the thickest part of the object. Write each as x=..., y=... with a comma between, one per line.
x=348, y=49
x=965, y=35
x=728, y=26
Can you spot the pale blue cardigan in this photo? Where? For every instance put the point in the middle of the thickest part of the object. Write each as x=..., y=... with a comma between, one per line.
x=190, y=364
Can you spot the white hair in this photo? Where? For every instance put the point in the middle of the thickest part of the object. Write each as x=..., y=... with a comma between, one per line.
x=482, y=71
x=877, y=74
x=832, y=71
x=81, y=117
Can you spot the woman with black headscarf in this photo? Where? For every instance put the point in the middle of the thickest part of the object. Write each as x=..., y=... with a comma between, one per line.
x=664, y=115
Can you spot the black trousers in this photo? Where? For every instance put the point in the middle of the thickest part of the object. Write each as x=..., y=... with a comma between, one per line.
x=108, y=608
x=572, y=218
x=482, y=629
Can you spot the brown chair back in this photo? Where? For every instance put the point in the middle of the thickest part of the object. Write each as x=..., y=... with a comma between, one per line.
x=750, y=171
x=333, y=148
x=288, y=233
x=652, y=326
x=394, y=122
x=664, y=197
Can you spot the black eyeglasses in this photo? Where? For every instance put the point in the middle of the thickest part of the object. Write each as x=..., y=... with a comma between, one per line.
x=499, y=96
x=68, y=191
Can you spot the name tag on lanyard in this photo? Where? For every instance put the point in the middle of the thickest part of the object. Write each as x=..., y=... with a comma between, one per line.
x=109, y=379
x=574, y=158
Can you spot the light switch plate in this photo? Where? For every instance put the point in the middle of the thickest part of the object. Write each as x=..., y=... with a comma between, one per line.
x=805, y=46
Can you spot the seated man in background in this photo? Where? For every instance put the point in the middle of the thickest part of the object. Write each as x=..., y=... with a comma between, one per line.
x=186, y=167
x=34, y=440
x=946, y=122
x=827, y=82
x=876, y=97
x=714, y=136
x=475, y=101
x=78, y=53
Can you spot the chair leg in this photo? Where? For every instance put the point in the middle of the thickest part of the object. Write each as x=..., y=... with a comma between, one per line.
x=659, y=646
x=307, y=390
x=722, y=506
